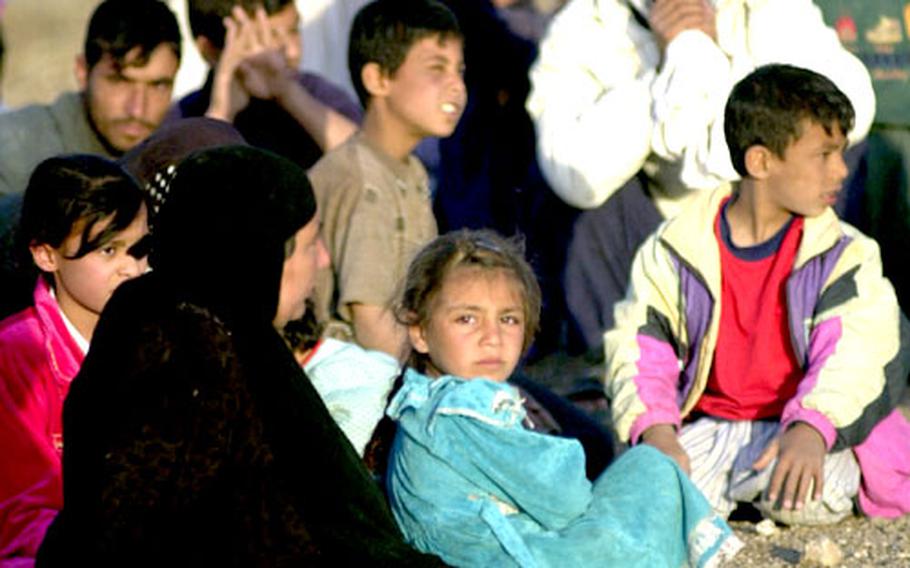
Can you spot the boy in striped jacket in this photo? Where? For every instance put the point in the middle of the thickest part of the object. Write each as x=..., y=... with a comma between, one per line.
x=759, y=344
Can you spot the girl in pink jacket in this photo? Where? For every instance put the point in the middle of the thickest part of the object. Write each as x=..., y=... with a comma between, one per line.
x=84, y=226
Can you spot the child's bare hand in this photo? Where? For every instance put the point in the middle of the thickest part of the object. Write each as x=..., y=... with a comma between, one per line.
x=264, y=67
x=252, y=63
x=800, y=466
x=664, y=438
x=669, y=18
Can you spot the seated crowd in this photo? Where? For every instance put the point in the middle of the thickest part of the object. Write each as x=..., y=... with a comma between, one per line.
x=245, y=329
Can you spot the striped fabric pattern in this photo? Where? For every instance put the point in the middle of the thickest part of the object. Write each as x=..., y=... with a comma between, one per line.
x=722, y=452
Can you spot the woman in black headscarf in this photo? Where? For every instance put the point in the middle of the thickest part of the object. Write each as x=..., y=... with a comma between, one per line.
x=191, y=434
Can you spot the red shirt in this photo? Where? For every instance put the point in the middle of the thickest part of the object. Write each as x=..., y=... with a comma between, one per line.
x=755, y=371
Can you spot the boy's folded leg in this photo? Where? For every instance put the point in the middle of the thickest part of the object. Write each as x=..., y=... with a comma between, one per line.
x=719, y=448
x=722, y=453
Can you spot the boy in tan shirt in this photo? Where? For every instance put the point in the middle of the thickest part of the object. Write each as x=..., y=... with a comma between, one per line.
x=406, y=64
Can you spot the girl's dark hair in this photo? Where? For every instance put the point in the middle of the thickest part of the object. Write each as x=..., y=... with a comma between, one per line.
x=77, y=191
x=483, y=250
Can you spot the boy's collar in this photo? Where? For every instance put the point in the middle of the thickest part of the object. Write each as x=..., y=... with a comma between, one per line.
x=377, y=132
x=400, y=169
x=687, y=234
x=748, y=219
x=820, y=233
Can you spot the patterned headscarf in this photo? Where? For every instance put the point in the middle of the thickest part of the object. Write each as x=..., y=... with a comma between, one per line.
x=154, y=161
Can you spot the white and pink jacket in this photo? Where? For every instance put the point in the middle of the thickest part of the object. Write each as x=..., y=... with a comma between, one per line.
x=845, y=324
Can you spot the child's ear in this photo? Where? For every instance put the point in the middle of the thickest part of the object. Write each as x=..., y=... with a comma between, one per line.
x=80, y=70
x=758, y=161
x=44, y=257
x=374, y=79
x=418, y=341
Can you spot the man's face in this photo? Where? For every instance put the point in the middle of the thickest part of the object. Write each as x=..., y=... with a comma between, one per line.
x=127, y=102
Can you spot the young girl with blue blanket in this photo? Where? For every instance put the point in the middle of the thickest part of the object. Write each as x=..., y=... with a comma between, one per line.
x=471, y=481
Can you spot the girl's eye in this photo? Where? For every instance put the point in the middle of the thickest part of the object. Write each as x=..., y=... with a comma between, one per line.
x=466, y=319
x=511, y=320
x=108, y=251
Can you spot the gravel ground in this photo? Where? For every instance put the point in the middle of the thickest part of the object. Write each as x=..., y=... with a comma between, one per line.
x=862, y=542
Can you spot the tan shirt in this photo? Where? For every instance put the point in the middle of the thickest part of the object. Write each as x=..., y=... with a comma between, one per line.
x=376, y=213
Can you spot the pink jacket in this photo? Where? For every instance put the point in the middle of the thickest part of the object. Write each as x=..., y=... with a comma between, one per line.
x=38, y=359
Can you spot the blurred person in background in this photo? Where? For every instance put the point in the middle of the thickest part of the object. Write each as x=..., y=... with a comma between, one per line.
x=878, y=33
x=253, y=48
x=126, y=72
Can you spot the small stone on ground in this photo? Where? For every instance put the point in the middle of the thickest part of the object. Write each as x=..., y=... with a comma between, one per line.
x=862, y=542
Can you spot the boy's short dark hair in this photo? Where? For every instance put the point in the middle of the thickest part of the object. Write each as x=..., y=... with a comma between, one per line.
x=768, y=108
x=66, y=190
x=119, y=26
x=384, y=30
x=207, y=16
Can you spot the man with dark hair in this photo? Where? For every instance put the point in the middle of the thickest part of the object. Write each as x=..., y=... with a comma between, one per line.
x=126, y=74
x=253, y=48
